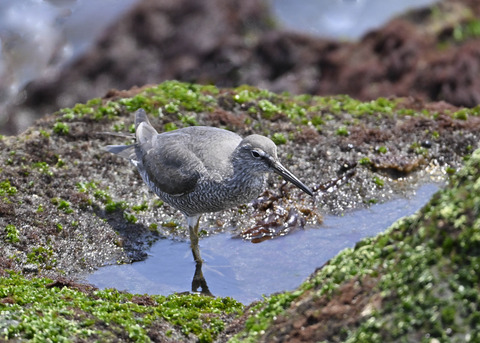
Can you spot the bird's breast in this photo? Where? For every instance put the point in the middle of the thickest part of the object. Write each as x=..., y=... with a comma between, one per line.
x=213, y=196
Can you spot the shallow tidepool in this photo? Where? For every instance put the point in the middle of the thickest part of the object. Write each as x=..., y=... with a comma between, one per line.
x=246, y=271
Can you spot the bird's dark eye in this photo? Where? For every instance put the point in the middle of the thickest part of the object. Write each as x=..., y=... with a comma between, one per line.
x=256, y=154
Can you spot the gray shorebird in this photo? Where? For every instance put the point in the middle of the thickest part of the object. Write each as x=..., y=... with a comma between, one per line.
x=202, y=169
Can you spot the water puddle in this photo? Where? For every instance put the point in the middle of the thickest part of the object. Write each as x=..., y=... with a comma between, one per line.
x=246, y=271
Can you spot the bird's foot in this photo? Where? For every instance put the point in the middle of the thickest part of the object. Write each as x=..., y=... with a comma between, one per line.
x=199, y=284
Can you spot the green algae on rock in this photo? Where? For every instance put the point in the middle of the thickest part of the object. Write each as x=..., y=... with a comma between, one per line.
x=42, y=310
x=418, y=281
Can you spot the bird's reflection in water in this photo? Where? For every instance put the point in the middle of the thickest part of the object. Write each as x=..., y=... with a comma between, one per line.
x=199, y=284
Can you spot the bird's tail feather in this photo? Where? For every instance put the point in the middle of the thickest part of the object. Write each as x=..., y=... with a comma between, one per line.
x=117, y=134
x=125, y=151
x=143, y=132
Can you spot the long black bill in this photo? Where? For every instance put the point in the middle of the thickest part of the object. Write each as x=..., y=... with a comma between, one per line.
x=287, y=175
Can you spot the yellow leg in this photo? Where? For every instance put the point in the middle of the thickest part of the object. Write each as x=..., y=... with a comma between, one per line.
x=198, y=278
x=193, y=223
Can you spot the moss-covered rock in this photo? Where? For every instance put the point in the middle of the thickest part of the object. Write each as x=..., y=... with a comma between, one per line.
x=46, y=311
x=417, y=282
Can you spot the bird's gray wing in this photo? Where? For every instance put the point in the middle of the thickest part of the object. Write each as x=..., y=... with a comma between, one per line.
x=214, y=147
x=169, y=165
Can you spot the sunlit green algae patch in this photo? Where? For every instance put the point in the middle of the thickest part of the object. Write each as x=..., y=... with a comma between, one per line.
x=42, y=311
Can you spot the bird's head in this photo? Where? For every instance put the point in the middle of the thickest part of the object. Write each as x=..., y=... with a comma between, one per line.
x=259, y=154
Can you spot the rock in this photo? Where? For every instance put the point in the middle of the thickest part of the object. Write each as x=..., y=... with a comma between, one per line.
x=30, y=269
x=412, y=282
x=69, y=208
x=427, y=54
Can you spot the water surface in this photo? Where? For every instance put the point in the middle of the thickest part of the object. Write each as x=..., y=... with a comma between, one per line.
x=246, y=271
x=341, y=19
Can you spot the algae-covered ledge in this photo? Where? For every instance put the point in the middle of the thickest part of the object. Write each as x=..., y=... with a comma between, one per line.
x=417, y=282
x=67, y=208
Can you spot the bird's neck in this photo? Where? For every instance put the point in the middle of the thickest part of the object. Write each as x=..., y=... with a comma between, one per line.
x=246, y=179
